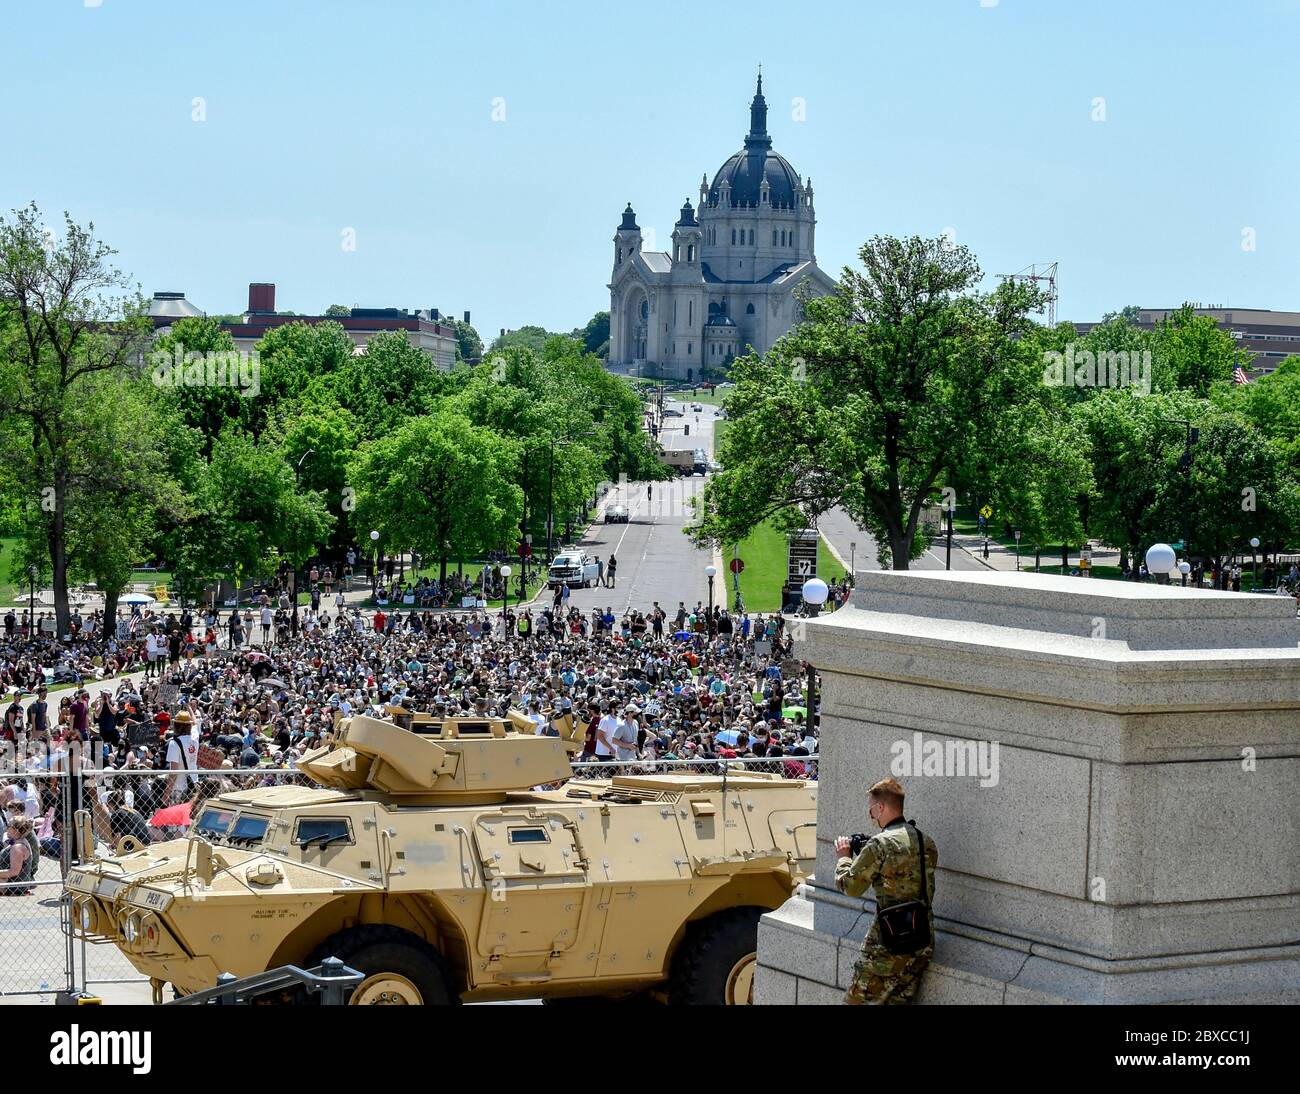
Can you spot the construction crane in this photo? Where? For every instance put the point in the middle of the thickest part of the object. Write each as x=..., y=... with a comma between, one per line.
x=1039, y=272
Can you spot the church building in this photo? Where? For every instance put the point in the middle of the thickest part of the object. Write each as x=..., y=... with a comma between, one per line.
x=728, y=285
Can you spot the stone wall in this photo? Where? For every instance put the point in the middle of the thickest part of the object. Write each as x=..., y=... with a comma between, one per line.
x=1139, y=840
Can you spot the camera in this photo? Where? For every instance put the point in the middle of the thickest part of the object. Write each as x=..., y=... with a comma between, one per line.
x=857, y=841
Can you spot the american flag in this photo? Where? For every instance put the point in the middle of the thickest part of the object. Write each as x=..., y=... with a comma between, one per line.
x=1239, y=376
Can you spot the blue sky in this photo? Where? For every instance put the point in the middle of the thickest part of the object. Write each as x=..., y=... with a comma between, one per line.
x=919, y=117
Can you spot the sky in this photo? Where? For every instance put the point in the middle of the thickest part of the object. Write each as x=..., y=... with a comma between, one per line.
x=479, y=156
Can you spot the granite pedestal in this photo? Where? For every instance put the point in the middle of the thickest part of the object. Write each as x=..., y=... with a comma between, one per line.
x=1111, y=771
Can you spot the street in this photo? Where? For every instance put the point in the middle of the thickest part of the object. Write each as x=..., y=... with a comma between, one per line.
x=656, y=560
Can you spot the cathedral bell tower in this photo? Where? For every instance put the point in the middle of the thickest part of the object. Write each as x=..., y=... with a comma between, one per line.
x=687, y=236
x=627, y=239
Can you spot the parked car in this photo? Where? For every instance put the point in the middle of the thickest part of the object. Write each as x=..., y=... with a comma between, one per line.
x=572, y=567
x=672, y=412
x=616, y=514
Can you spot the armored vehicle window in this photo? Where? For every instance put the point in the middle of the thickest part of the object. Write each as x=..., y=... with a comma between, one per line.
x=528, y=835
x=214, y=822
x=465, y=728
x=248, y=829
x=322, y=831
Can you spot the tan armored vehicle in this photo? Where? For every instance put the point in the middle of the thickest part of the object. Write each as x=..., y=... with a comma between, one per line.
x=433, y=859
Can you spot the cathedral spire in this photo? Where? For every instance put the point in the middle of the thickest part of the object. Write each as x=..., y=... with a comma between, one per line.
x=757, y=136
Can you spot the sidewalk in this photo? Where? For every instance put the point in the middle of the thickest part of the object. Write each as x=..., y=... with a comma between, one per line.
x=1004, y=557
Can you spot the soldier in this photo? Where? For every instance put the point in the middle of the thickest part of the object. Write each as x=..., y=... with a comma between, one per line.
x=889, y=863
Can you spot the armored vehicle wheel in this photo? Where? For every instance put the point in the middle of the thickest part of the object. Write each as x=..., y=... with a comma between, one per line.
x=715, y=963
x=401, y=969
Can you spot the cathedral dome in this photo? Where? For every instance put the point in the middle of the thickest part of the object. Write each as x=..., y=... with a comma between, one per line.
x=745, y=170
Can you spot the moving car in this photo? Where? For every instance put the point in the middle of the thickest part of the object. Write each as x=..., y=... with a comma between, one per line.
x=681, y=460
x=616, y=514
x=572, y=566
x=673, y=412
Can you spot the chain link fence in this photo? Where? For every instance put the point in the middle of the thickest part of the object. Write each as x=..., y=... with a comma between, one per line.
x=785, y=767
x=133, y=808
x=37, y=953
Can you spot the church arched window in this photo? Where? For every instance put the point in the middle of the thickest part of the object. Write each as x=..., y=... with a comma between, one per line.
x=751, y=237
x=749, y=309
x=774, y=244
x=645, y=312
x=733, y=237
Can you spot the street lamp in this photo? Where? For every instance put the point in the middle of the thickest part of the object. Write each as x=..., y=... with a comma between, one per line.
x=815, y=593
x=710, y=572
x=1184, y=568
x=374, y=539
x=1161, y=561
x=853, y=554
x=31, y=603
x=1017, y=550
x=506, y=571
x=1254, y=567
x=952, y=508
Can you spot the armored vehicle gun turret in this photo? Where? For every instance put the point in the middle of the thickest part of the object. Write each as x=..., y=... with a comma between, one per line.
x=457, y=859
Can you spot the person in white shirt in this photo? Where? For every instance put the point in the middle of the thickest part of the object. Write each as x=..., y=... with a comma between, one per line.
x=183, y=756
x=604, y=736
x=268, y=617
x=152, y=649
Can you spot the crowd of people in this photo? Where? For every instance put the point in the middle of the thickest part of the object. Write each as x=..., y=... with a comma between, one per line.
x=212, y=713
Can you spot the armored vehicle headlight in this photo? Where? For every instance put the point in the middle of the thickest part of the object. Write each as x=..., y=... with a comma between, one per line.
x=86, y=916
x=131, y=929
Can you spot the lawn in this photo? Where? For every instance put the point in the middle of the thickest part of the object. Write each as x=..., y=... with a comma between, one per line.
x=471, y=570
x=17, y=593
x=765, y=554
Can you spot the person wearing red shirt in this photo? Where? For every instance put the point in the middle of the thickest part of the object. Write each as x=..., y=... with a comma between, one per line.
x=380, y=620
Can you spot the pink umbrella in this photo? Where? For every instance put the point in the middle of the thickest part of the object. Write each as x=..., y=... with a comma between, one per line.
x=174, y=816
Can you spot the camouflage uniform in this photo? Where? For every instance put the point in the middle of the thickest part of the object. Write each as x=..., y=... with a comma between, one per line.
x=889, y=865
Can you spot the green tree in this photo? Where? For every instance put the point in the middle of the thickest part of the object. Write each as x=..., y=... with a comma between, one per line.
x=338, y=311
x=205, y=407
x=388, y=384
x=438, y=485
x=1195, y=353
x=888, y=383
x=469, y=346
x=319, y=446
x=526, y=337
x=595, y=335
x=1272, y=405
x=296, y=361
x=1236, y=488
x=247, y=513
x=66, y=316
x=118, y=491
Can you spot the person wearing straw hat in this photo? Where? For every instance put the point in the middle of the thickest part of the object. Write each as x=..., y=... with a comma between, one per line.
x=182, y=756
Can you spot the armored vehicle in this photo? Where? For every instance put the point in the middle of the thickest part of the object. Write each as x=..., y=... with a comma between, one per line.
x=460, y=860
